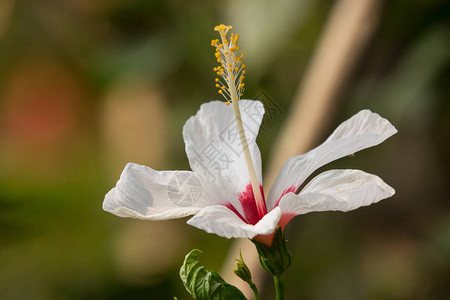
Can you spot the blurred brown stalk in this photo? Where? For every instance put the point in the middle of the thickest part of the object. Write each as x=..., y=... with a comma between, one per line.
x=6, y=9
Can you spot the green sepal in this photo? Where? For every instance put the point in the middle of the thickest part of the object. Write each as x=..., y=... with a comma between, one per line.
x=203, y=284
x=277, y=258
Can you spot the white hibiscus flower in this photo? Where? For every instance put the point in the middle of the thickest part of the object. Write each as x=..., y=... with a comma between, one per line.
x=224, y=190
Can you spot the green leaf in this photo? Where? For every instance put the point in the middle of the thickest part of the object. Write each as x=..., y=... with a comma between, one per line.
x=203, y=284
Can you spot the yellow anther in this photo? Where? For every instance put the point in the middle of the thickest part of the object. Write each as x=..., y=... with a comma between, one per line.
x=227, y=103
x=243, y=54
x=230, y=63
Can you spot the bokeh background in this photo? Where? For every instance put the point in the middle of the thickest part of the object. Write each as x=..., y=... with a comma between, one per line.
x=86, y=86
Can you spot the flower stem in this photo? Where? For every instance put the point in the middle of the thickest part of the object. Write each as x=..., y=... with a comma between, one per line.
x=279, y=287
x=255, y=291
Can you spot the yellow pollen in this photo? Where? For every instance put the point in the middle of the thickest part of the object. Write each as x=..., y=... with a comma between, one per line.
x=231, y=67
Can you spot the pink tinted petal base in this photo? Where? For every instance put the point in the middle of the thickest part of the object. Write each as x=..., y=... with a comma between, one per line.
x=285, y=218
x=248, y=201
x=267, y=239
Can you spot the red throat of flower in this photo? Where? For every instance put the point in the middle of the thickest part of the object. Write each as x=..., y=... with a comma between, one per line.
x=251, y=215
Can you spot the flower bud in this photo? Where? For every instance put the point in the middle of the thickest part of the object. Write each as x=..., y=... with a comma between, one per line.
x=242, y=271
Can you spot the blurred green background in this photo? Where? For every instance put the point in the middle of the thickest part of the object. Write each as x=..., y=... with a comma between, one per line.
x=86, y=86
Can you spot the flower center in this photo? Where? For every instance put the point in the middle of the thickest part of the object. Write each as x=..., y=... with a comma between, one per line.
x=231, y=71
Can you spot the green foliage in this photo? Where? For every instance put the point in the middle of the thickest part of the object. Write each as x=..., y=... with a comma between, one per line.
x=204, y=284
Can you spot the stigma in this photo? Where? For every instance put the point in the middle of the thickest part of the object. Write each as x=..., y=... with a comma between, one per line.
x=231, y=69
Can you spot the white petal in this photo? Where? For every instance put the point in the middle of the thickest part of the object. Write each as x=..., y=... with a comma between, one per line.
x=223, y=222
x=363, y=130
x=213, y=145
x=341, y=190
x=144, y=193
